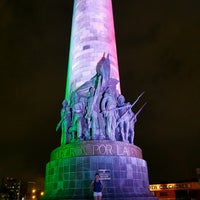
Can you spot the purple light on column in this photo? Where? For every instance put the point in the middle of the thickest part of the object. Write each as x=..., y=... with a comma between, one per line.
x=92, y=35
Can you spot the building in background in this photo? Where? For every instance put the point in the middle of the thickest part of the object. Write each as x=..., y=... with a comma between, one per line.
x=10, y=188
x=14, y=189
x=172, y=191
x=33, y=191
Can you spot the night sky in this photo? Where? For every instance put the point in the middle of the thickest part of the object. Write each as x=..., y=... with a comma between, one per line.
x=158, y=45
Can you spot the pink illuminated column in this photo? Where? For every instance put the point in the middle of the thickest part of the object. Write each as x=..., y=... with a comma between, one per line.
x=92, y=35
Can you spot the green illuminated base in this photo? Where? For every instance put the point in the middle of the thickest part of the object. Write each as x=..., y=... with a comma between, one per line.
x=72, y=168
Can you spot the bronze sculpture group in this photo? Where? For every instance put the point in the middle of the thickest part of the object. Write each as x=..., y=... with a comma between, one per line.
x=96, y=111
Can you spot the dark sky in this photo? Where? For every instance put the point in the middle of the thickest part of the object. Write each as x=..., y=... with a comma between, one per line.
x=158, y=46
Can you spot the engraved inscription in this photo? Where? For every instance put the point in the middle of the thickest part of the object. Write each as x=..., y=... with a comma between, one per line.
x=95, y=148
x=102, y=149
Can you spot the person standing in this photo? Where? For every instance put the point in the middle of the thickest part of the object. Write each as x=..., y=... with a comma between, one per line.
x=97, y=187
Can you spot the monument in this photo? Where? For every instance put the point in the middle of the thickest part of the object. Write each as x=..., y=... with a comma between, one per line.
x=97, y=124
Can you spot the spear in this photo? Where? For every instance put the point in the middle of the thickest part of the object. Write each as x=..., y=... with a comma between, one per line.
x=134, y=116
x=137, y=113
x=137, y=99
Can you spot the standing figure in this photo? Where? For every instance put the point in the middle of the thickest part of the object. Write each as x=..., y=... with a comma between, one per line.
x=108, y=107
x=131, y=133
x=91, y=114
x=97, y=187
x=78, y=111
x=132, y=121
x=64, y=122
x=124, y=114
x=92, y=110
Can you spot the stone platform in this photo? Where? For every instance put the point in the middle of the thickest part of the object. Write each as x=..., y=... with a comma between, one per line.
x=72, y=168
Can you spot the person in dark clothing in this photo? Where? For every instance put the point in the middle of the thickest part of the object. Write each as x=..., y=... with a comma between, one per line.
x=97, y=187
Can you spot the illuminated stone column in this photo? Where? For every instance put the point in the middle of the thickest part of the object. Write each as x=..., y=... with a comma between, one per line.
x=92, y=35
x=94, y=116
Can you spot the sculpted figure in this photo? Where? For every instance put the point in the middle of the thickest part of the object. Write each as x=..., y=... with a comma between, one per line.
x=131, y=130
x=108, y=106
x=64, y=122
x=78, y=111
x=123, y=117
x=126, y=119
x=93, y=111
x=91, y=114
x=132, y=121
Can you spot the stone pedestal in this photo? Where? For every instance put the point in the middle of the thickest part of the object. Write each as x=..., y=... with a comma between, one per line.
x=72, y=168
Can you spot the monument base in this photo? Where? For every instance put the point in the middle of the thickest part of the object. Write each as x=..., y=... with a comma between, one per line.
x=73, y=166
x=104, y=198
